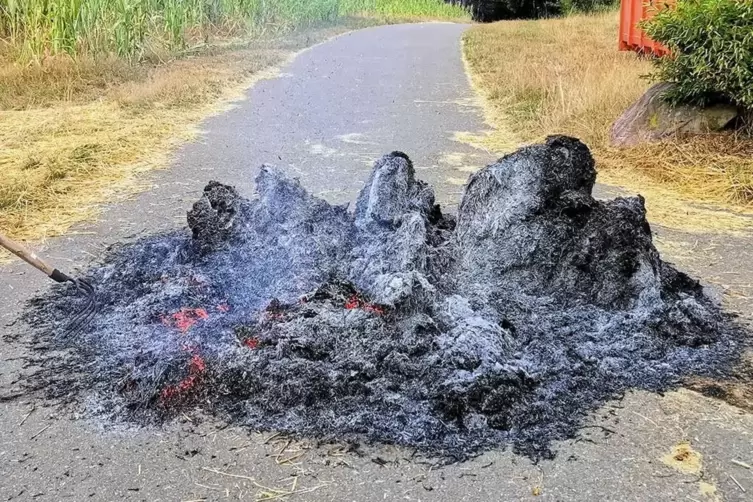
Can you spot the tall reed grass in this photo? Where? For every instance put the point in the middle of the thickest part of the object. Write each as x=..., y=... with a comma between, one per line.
x=133, y=28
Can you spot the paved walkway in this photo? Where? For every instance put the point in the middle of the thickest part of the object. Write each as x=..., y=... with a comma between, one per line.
x=330, y=113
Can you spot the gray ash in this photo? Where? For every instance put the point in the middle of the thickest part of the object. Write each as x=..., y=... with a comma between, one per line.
x=395, y=323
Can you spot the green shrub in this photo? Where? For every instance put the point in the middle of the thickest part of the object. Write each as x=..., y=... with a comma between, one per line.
x=712, y=51
x=495, y=10
x=576, y=6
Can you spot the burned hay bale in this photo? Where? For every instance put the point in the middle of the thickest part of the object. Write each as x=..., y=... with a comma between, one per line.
x=529, y=225
x=505, y=325
x=212, y=216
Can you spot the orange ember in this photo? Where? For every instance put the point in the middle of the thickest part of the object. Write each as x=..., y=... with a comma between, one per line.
x=185, y=318
x=356, y=302
x=196, y=367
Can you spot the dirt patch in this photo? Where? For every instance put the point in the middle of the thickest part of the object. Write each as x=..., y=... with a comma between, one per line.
x=684, y=458
x=505, y=325
x=708, y=491
x=737, y=390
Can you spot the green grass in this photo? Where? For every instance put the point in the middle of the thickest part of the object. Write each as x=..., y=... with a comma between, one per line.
x=134, y=29
x=404, y=9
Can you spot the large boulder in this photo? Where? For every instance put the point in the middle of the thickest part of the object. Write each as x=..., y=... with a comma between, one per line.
x=651, y=119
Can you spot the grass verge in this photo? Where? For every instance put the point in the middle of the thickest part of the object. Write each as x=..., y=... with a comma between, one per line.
x=79, y=122
x=566, y=76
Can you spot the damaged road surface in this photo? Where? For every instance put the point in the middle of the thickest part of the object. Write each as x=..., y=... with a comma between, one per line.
x=503, y=325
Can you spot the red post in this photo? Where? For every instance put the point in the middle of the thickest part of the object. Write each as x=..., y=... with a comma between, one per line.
x=631, y=37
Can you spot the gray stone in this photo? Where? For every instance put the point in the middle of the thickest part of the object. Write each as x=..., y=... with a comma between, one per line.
x=651, y=119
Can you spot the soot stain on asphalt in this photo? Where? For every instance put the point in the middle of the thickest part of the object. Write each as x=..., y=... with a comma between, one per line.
x=504, y=325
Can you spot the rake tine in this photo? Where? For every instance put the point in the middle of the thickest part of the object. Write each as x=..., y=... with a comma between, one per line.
x=82, y=318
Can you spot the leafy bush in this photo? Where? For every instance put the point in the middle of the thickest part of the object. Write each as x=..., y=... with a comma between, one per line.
x=494, y=10
x=573, y=6
x=712, y=51
x=510, y=9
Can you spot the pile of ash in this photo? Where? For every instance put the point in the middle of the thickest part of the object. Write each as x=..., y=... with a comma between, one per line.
x=396, y=323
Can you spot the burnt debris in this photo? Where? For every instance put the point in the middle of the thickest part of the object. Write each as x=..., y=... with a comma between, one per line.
x=504, y=325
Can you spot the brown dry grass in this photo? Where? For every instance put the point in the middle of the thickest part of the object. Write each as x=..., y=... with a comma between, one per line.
x=566, y=76
x=76, y=133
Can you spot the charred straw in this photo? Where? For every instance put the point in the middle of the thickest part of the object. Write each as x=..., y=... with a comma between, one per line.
x=506, y=324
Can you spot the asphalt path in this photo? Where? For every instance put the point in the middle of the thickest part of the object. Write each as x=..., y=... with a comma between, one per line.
x=325, y=118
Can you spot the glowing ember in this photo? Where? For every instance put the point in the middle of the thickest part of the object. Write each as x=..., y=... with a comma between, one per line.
x=196, y=368
x=185, y=319
x=356, y=302
x=353, y=303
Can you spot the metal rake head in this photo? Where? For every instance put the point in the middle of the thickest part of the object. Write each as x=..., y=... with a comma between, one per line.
x=84, y=316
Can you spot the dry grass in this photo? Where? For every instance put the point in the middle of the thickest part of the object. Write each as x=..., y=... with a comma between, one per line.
x=554, y=75
x=566, y=76
x=76, y=133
